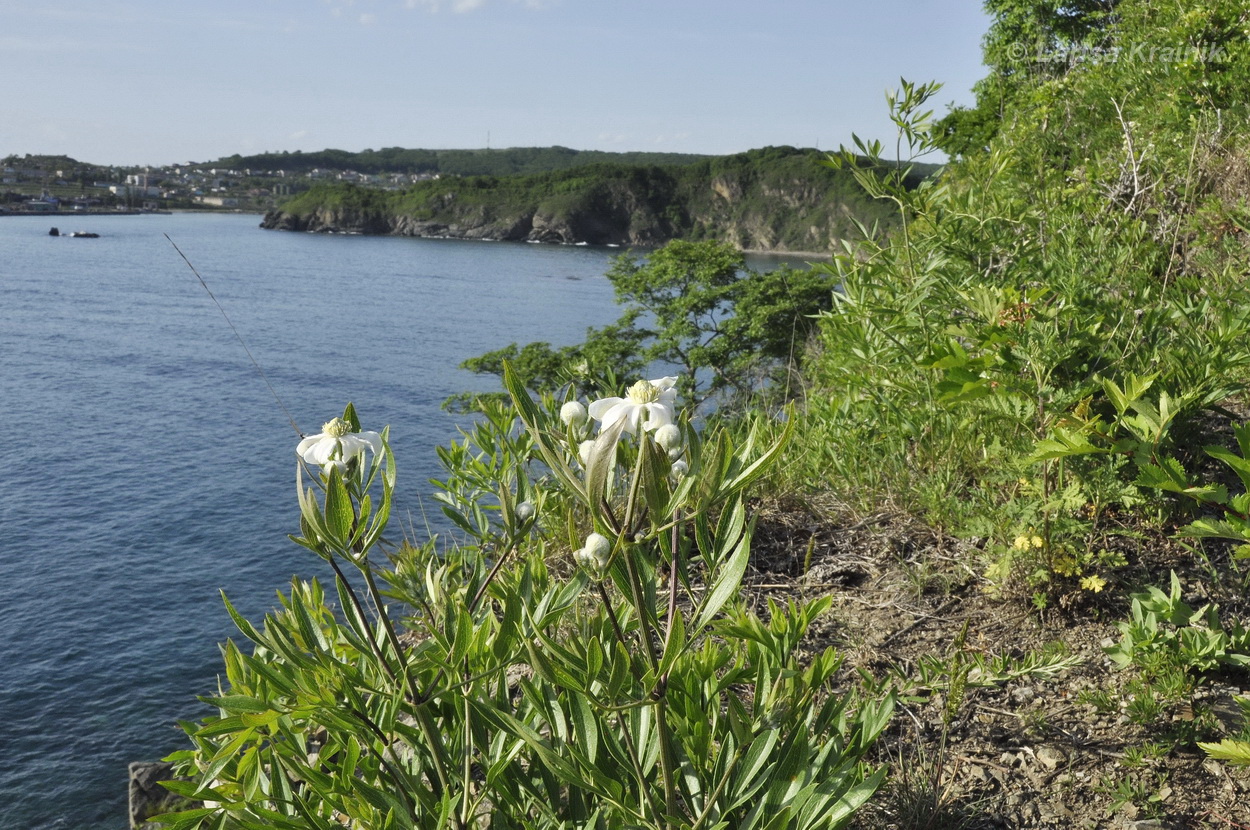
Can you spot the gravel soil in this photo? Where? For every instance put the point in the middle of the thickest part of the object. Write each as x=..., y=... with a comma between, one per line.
x=1060, y=747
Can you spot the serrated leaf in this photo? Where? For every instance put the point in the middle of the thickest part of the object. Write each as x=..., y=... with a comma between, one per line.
x=1235, y=752
x=1238, y=464
x=1061, y=444
x=1234, y=529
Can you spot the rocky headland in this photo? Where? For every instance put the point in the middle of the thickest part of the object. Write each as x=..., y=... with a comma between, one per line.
x=776, y=199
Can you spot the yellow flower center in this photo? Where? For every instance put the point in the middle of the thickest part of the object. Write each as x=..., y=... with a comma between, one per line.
x=336, y=428
x=643, y=392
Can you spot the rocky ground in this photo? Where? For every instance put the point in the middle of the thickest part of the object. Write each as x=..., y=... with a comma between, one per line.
x=1062, y=746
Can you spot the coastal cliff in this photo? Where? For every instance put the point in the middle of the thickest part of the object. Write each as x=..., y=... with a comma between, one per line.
x=775, y=199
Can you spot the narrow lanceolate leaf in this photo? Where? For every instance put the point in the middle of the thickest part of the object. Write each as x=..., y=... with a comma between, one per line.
x=338, y=511
x=585, y=728
x=728, y=578
x=601, y=462
x=532, y=418
x=748, y=779
x=760, y=466
x=235, y=704
x=729, y=531
x=856, y=797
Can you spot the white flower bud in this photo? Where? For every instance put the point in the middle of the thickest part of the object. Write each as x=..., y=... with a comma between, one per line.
x=524, y=511
x=573, y=414
x=583, y=452
x=669, y=437
x=680, y=470
x=595, y=554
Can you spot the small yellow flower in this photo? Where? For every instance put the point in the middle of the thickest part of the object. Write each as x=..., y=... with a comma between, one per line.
x=1020, y=543
x=1093, y=583
x=1036, y=541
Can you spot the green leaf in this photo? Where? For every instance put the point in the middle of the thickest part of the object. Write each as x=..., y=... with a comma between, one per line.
x=338, y=509
x=1235, y=752
x=349, y=415
x=1238, y=464
x=260, y=718
x=760, y=465
x=1235, y=529
x=726, y=583
x=584, y=725
x=235, y=704
x=1061, y=444
x=601, y=463
x=855, y=797
x=748, y=779
x=1167, y=475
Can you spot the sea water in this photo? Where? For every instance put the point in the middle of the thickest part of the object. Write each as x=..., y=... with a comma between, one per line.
x=147, y=467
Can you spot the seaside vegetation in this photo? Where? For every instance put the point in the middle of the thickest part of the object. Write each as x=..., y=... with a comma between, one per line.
x=1043, y=363
x=784, y=190
x=508, y=161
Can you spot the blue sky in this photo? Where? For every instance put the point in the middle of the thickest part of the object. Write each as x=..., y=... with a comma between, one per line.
x=164, y=81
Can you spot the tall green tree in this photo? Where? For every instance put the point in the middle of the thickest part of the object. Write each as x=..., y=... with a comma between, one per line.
x=692, y=306
x=1028, y=41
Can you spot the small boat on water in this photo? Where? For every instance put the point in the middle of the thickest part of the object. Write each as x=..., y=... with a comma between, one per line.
x=84, y=235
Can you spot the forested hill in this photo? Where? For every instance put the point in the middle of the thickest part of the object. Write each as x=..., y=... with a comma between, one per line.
x=481, y=162
x=775, y=199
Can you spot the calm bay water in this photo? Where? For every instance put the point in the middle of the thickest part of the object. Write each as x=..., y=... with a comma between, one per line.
x=148, y=467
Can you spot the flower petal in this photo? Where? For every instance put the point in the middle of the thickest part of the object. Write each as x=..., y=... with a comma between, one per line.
x=598, y=408
x=658, y=415
x=664, y=384
x=307, y=444
x=322, y=451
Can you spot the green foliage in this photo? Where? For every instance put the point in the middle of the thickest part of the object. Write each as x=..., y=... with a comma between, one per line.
x=984, y=365
x=484, y=162
x=732, y=198
x=690, y=305
x=1164, y=630
x=1234, y=750
x=492, y=680
x=705, y=313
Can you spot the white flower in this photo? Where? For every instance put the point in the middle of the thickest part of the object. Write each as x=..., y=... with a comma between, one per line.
x=679, y=470
x=573, y=414
x=524, y=511
x=649, y=402
x=336, y=445
x=596, y=552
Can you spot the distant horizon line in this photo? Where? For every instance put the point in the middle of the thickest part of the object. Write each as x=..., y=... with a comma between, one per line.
x=14, y=155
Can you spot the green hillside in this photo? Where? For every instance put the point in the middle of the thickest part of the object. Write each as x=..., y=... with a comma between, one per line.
x=777, y=198
x=485, y=162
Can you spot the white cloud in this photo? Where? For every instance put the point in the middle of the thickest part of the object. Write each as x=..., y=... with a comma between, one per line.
x=436, y=6
x=368, y=19
x=462, y=6
x=298, y=134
